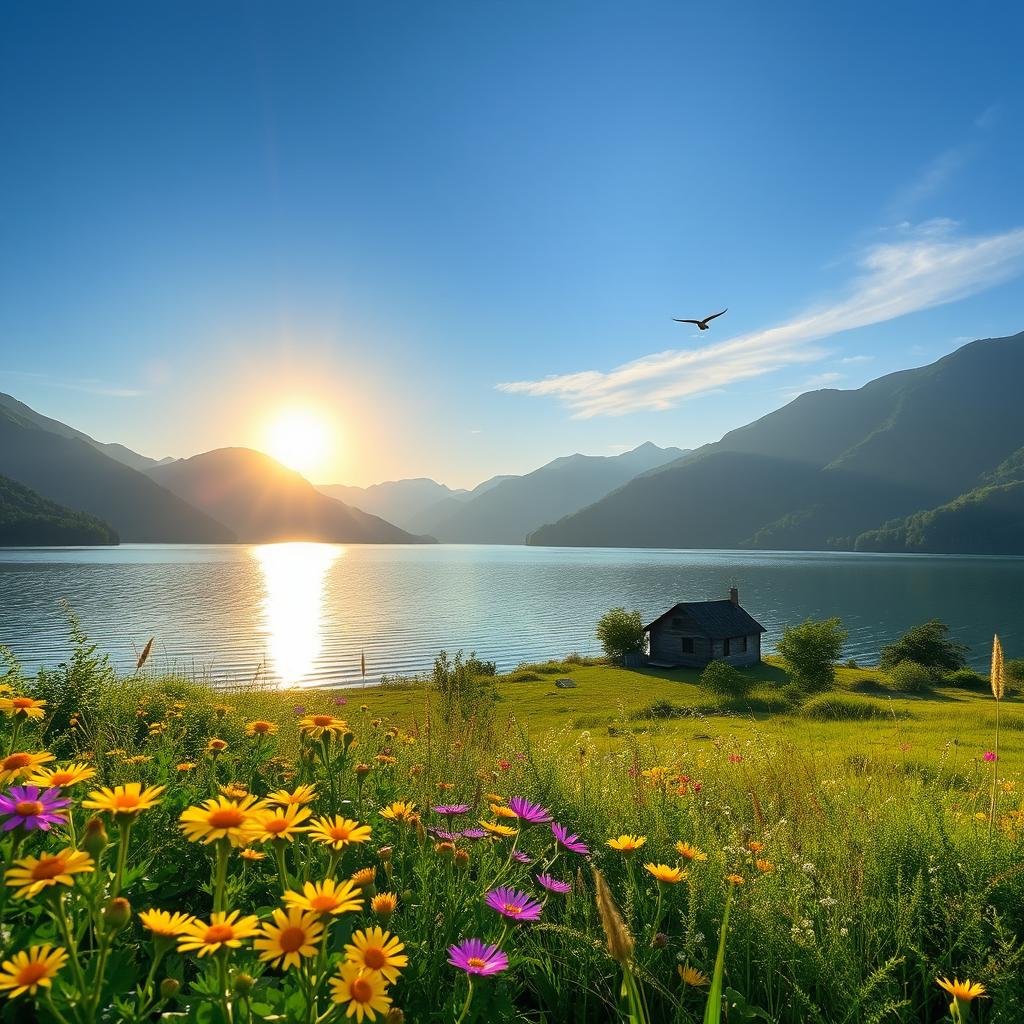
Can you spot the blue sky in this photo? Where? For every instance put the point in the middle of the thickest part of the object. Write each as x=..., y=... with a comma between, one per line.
x=459, y=231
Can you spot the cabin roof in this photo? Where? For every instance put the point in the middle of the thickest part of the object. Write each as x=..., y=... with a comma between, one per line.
x=716, y=619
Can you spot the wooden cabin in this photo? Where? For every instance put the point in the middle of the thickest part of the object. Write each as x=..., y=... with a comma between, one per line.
x=695, y=633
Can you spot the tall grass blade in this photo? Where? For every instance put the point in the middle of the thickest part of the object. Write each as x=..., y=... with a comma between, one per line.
x=144, y=656
x=713, y=1009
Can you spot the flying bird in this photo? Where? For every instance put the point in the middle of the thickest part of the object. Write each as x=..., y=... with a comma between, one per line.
x=702, y=324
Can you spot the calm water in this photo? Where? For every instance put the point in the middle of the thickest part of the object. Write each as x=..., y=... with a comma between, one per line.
x=304, y=613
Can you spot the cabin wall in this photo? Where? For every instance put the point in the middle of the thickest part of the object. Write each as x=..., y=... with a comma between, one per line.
x=667, y=645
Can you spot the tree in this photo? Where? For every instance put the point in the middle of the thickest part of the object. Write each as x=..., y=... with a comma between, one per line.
x=927, y=645
x=620, y=633
x=811, y=651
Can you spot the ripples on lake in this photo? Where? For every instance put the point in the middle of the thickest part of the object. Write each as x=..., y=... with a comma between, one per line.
x=303, y=614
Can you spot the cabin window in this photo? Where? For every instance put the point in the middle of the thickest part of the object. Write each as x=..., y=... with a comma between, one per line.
x=726, y=648
x=740, y=645
x=687, y=642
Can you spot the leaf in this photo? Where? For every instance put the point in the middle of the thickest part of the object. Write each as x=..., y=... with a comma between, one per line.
x=713, y=1008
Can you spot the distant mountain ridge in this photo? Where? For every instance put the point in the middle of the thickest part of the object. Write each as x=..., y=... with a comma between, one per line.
x=262, y=501
x=27, y=518
x=839, y=469
x=508, y=511
x=68, y=468
x=402, y=502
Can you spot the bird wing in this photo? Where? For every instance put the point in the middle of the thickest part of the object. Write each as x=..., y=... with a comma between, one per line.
x=713, y=315
x=678, y=321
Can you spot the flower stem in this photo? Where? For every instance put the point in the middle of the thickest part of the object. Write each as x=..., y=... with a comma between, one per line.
x=469, y=999
x=220, y=875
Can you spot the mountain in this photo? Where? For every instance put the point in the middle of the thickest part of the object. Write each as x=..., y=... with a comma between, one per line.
x=27, y=518
x=505, y=512
x=402, y=502
x=831, y=465
x=263, y=501
x=118, y=452
x=67, y=468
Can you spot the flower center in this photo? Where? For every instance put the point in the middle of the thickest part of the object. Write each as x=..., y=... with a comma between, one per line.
x=259, y=727
x=126, y=801
x=322, y=721
x=292, y=939
x=61, y=779
x=323, y=903
x=374, y=958
x=16, y=761
x=31, y=973
x=362, y=990
x=22, y=702
x=218, y=933
x=226, y=817
x=48, y=867
x=475, y=961
x=339, y=832
x=28, y=808
x=276, y=825
x=512, y=908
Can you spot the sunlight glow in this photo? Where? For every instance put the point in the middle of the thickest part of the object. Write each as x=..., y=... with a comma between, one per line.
x=300, y=438
x=293, y=607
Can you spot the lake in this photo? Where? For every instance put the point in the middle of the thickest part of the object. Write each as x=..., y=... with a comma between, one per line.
x=304, y=614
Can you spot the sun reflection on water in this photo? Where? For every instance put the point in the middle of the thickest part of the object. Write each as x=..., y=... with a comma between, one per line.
x=293, y=605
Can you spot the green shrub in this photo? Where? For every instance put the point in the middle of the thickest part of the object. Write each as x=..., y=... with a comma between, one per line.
x=1014, y=671
x=965, y=679
x=909, y=677
x=620, y=633
x=522, y=675
x=927, y=645
x=834, y=707
x=810, y=652
x=724, y=680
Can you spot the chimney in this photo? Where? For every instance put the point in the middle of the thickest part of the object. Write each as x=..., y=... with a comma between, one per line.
x=734, y=596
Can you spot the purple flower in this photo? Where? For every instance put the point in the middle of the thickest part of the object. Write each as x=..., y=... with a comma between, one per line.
x=989, y=755
x=529, y=813
x=523, y=858
x=553, y=884
x=31, y=808
x=300, y=710
x=340, y=701
x=444, y=834
x=474, y=957
x=572, y=843
x=450, y=810
x=513, y=903
x=474, y=833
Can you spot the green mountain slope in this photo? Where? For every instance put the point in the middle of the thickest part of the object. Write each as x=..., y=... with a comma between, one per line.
x=828, y=467
x=508, y=511
x=263, y=501
x=74, y=473
x=27, y=518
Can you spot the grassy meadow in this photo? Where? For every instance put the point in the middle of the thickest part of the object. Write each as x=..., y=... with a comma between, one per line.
x=252, y=854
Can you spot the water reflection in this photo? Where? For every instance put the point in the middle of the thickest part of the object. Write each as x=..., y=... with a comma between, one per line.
x=293, y=605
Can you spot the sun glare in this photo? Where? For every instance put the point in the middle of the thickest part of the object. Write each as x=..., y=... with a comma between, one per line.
x=300, y=439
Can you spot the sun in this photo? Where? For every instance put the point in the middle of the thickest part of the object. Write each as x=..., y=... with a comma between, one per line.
x=300, y=438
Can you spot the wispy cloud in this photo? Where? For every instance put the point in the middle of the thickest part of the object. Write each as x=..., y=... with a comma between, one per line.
x=822, y=380
x=90, y=385
x=850, y=360
x=924, y=267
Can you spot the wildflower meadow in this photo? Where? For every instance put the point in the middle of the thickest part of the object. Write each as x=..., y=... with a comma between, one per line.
x=176, y=852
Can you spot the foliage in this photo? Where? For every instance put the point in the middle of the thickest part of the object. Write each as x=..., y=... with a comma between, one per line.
x=835, y=707
x=965, y=679
x=722, y=679
x=620, y=633
x=929, y=645
x=28, y=518
x=466, y=687
x=910, y=677
x=810, y=652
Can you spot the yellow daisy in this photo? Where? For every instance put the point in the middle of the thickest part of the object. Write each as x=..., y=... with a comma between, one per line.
x=690, y=852
x=234, y=790
x=62, y=777
x=185, y=766
x=221, y=931
x=292, y=936
x=300, y=795
x=364, y=992
x=261, y=728
x=33, y=874
x=365, y=879
x=399, y=810
x=250, y=854
x=496, y=829
x=328, y=897
x=503, y=812
x=18, y=765
x=384, y=904
x=374, y=949
x=124, y=802
x=319, y=726
x=338, y=832
x=963, y=991
x=627, y=844
x=666, y=873
x=494, y=798
x=28, y=971
x=280, y=824
x=164, y=923
x=221, y=818
x=766, y=867
x=691, y=976
x=23, y=707
x=735, y=879
x=214, y=745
